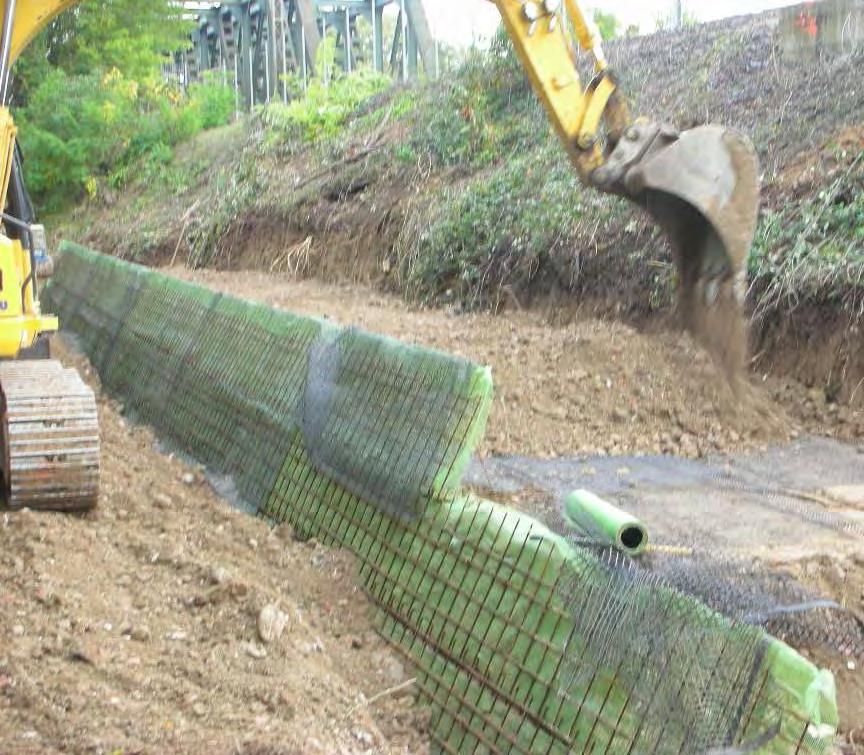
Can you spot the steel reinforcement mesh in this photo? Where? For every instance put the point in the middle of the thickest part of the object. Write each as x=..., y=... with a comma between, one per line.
x=522, y=641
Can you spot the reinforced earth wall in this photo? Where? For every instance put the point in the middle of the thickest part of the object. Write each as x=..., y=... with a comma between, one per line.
x=361, y=441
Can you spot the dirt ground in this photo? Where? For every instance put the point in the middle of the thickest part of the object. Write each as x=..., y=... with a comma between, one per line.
x=594, y=387
x=600, y=388
x=135, y=629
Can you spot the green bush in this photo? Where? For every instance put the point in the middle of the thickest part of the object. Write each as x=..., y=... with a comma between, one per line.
x=324, y=109
x=78, y=131
x=481, y=114
x=813, y=249
x=502, y=227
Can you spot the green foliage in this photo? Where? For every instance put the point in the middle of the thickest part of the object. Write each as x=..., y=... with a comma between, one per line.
x=78, y=130
x=503, y=227
x=324, y=109
x=481, y=113
x=129, y=36
x=213, y=101
x=90, y=102
x=814, y=249
x=607, y=23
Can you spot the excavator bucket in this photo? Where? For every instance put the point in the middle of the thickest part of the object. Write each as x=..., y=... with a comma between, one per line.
x=703, y=190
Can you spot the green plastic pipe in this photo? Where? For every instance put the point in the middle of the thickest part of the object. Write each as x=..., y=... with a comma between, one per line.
x=606, y=523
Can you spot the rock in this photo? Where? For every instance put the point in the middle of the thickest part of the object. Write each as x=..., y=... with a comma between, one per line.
x=17, y=631
x=271, y=623
x=313, y=647
x=218, y=594
x=847, y=495
x=318, y=559
x=219, y=575
x=254, y=650
x=163, y=500
x=140, y=634
x=689, y=446
x=84, y=654
x=188, y=478
x=178, y=635
x=395, y=671
x=620, y=415
x=357, y=643
x=364, y=737
x=199, y=709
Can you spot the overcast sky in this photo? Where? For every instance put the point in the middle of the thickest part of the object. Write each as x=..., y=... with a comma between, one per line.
x=459, y=21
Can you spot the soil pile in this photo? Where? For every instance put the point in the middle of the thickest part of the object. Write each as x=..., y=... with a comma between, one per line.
x=167, y=622
x=589, y=387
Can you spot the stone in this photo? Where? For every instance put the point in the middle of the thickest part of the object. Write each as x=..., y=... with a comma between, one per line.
x=271, y=623
x=219, y=575
x=163, y=501
x=364, y=737
x=188, y=478
x=254, y=650
x=395, y=671
x=851, y=496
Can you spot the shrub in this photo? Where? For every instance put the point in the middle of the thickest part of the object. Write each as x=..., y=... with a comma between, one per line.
x=324, y=109
x=79, y=130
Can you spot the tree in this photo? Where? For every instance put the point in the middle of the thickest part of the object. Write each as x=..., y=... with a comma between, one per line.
x=607, y=23
x=101, y=35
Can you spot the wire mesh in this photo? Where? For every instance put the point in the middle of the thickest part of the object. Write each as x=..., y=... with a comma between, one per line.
x=523, y=643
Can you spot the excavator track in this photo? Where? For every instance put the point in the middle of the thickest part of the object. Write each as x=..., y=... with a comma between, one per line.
x=50, y=437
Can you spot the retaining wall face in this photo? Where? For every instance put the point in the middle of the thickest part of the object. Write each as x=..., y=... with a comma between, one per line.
x=521, y=642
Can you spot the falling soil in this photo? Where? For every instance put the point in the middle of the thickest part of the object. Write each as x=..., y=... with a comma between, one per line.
x=166, y=622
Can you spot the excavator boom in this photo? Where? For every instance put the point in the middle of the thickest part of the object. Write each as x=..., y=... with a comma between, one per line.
x=701, y=185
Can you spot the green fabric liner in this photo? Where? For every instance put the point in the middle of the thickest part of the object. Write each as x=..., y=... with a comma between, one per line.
x=468, y=592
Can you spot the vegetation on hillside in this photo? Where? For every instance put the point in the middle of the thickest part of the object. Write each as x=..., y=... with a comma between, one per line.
x=91, y=102
x=457, y=192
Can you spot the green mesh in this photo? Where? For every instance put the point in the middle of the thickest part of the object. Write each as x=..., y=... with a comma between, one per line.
x=518, y=637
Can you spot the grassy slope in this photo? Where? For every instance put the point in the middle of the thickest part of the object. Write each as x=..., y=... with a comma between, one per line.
x=457, y=192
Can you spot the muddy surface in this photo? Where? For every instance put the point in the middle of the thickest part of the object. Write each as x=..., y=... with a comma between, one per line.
x=137, y=628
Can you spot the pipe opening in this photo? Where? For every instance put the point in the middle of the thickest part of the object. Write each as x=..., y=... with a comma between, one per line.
x=632, y=538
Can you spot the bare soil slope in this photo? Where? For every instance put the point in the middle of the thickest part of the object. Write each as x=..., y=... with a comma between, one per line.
x=589, y=387
x=135, y=628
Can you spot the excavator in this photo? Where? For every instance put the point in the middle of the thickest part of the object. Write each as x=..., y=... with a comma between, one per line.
x=699, y=185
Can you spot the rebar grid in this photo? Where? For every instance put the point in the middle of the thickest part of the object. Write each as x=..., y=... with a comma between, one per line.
x=523, y=642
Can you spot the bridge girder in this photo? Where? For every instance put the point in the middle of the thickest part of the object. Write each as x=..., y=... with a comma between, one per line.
x=256, y=44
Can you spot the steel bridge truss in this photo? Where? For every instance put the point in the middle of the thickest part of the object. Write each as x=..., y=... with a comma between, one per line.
x=257, y=45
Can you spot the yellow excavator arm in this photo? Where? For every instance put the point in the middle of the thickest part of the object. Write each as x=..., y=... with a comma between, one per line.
x=540, y=34
x=31, y=16
x=701, y=185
